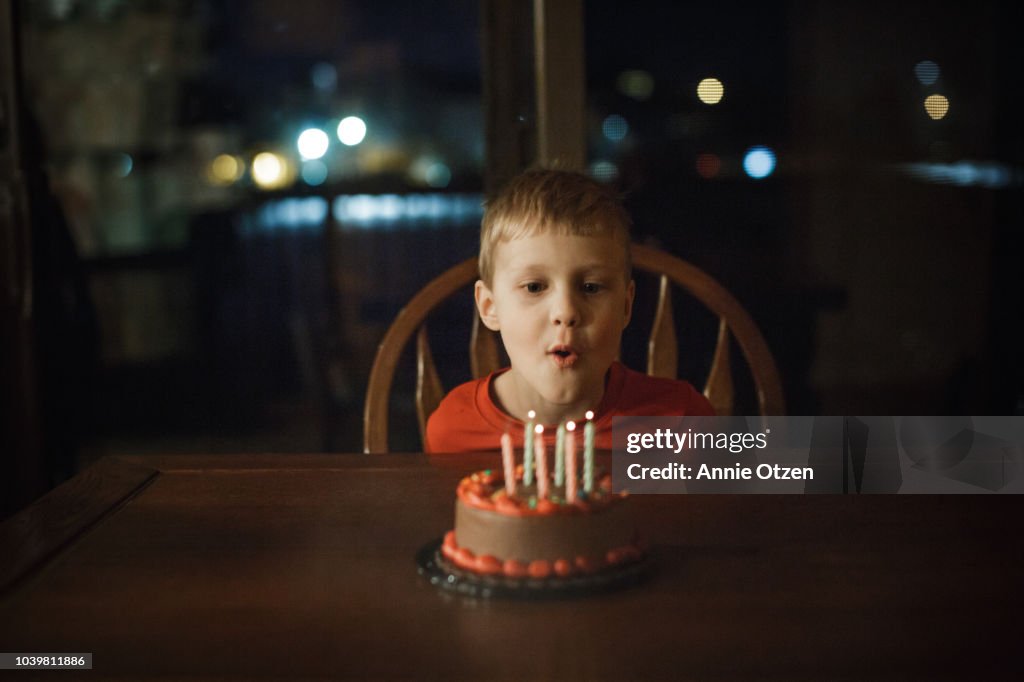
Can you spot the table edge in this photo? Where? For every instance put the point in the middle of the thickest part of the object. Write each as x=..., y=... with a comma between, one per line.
x=38, y=533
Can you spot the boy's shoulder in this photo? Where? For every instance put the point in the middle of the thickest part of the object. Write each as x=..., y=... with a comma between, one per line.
x=464, y=420
x=633, y=393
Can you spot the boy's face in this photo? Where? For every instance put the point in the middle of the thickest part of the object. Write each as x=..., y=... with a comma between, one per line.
x=560, y=303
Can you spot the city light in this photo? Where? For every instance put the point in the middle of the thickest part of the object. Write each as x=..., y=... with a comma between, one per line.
x=636, y=84
x=615, y=127
x=927, y=72
x=313, y=143
x=759, y=162
x=708, y=165
x=604, y=171
x=710, y=91
x=937, y=106
x=124, y=165
x=314, y=172
x=270, y=170
x=324, y=76
x=351, y=130
x=438, y=175
x=225, y=169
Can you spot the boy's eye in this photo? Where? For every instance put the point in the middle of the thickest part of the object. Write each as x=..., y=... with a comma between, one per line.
x=534, y=287
x=591, y=287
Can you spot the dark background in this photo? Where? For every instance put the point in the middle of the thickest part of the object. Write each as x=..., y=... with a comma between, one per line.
x=178, y=314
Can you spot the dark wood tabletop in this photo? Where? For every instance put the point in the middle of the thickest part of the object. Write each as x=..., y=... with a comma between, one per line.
x=302, y=566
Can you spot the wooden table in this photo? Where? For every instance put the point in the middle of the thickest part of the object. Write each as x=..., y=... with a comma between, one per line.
x=302, y=566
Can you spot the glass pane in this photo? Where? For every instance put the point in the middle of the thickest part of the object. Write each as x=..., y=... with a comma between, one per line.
x=850, y=172
x=254, y=188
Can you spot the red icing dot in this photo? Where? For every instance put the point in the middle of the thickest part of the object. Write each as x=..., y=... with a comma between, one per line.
x=514, y=569
x=540, y=568
x=475, y=500
x=464, y=556
x=616, y=556
x=587, y=564
x=546, y=506
x=506, y=505
x=563, y=567
x=488, y=565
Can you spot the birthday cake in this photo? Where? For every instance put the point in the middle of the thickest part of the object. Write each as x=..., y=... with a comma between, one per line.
x=540, y=526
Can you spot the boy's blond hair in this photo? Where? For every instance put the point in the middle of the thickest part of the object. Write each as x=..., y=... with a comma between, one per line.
x=557, y=201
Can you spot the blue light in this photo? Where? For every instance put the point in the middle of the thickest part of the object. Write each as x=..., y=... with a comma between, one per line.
x=759, y=162
x=314, y=172
x=927, y=72
x=615, y=127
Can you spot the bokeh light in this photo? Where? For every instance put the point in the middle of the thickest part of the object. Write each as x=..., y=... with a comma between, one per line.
x=438, y=175
x=614, y=127
x=759, y=162
x=927, y=72
x=636, y=84
x=270, y=170
x=430, y=170
x=225, y=169
x=123, y=165
x=313, y=143
x=937, y=106
x=324, y=76
x=351, y=130
x=708, y=165
x=604, y=171
x=314, y=172
x=710, y=91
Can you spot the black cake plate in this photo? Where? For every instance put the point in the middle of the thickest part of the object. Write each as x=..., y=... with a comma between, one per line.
x=448, y=577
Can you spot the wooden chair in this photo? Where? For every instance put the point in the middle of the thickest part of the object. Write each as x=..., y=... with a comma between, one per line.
x=662, y=354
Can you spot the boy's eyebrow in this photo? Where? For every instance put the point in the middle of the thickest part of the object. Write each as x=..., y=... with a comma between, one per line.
x=530, y=269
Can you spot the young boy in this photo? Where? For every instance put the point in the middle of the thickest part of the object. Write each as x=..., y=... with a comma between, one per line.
x=555, y=281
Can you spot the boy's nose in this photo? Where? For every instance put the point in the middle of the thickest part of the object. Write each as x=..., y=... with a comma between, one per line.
x=565, y=312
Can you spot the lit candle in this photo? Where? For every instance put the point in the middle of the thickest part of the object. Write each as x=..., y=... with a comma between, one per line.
x=542, y=464
x=508, y=458
x=570, y=462
x=560, y=455
x=528, y=449
x=588, y=453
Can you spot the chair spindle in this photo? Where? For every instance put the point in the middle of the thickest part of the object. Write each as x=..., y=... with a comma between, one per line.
x=662, y=347
x=429, y=390
x=719, y=389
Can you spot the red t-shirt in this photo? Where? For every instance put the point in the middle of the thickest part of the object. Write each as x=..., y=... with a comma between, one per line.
x=467, y=419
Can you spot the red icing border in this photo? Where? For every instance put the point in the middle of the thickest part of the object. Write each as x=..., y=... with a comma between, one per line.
x=486, y=490
x=541, y=568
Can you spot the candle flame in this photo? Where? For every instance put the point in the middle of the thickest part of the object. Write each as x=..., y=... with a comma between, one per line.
x=539, y=428
x=570, y=426
x=589, y=414
x=531, y=414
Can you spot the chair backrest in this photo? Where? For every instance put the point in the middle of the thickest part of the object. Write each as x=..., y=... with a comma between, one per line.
x=662, y=348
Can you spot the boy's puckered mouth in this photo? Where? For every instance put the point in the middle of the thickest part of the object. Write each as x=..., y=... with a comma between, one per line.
x=563, y=356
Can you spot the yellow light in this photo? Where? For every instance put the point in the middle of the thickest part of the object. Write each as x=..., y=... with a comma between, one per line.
x=270, y=170
x=636, y=84
x=937, y=106
x=710, y=91
x=225, y=169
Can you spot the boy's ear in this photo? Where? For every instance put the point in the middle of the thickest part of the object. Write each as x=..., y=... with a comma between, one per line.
x=485, y=305
x=630, y=294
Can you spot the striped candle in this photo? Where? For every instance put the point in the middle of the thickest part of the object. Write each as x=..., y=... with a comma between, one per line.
x=508, y=459
x=570, y=462
x=528, y=449
x=542, y=464
x=588, y=453
x=560, y=455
